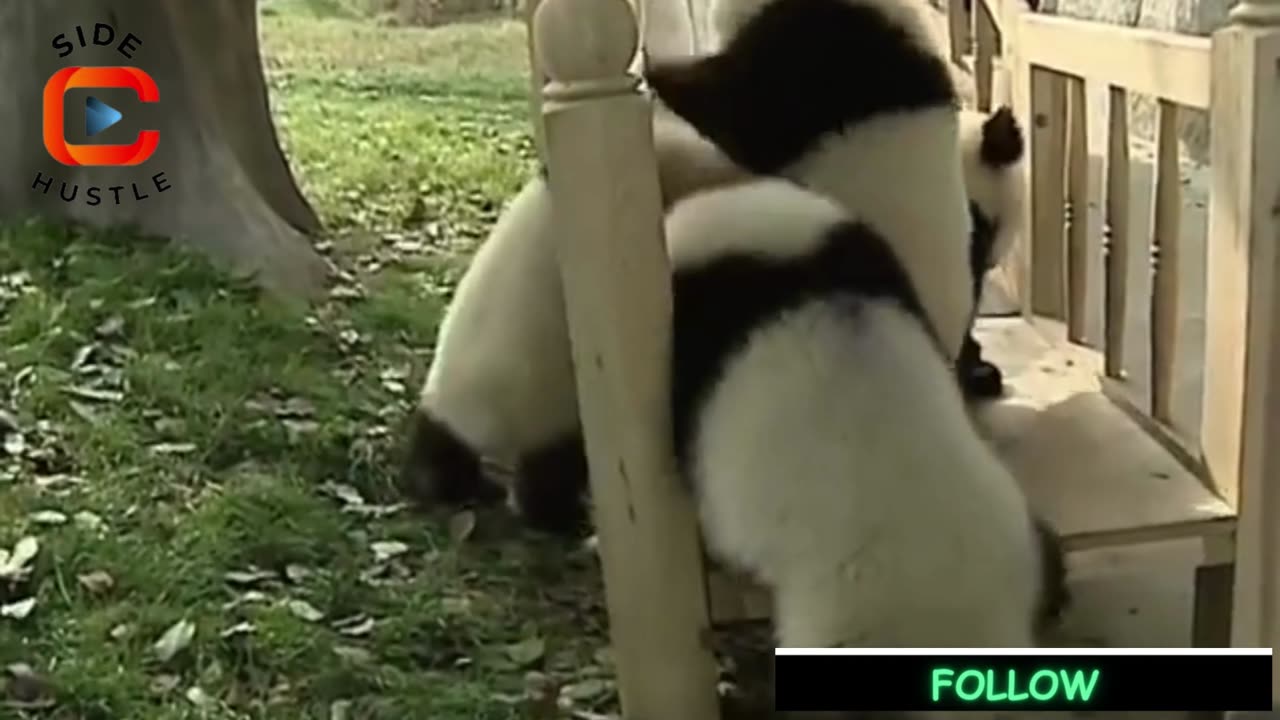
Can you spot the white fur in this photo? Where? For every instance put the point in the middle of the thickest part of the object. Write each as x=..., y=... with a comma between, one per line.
x=835, y=461
x=901, y=173
x=502, y=377
x=998, y=192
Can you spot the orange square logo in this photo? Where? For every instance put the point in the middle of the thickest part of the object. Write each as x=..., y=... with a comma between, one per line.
x=55, y=91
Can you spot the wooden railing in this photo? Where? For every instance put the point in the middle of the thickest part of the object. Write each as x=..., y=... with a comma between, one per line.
x=1081, y=226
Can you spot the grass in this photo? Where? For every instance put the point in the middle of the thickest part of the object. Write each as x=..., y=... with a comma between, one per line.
x=208, y=475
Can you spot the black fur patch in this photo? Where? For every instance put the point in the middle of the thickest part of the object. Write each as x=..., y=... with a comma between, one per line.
x=1055, y=597
x=551, y=486
x=759, y=99
x=979, y=379
x=718, y=304
x=440, y=468
x=1002, y=141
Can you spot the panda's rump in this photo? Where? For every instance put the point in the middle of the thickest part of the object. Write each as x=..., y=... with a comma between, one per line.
x=835, y=461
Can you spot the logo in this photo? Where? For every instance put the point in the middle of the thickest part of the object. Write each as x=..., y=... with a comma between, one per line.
x=98, y=116
x=106, y=84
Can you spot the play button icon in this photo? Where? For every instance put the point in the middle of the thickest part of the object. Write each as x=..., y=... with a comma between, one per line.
x=99, y=116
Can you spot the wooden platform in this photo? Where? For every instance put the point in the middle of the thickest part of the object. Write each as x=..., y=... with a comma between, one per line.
x=1094, y=473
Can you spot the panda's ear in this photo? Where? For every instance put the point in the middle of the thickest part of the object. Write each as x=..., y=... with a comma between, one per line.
x=701, y=92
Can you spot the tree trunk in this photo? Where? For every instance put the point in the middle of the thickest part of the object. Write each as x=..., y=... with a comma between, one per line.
x=224, y=184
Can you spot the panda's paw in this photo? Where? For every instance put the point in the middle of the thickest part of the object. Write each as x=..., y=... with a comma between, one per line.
x=439, y=468
x=981, y=380
x=550, y=488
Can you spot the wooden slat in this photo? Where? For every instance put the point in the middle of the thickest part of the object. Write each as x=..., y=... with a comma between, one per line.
x=1166, y=266
x=958, y=24
x=1164, y=64
x=1117, y=245
x=1079, y=283
x=1048, y=194
x=987, y=47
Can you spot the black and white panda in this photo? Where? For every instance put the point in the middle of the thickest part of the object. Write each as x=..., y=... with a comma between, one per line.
x=501, y=383
x=993, y=151
x=826, y=440
x=851, y=98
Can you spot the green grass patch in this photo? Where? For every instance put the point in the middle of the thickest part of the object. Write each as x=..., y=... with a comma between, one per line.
x=188, y=454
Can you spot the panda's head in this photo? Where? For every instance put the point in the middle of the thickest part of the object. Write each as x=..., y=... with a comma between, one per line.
x=755, y=96
x=993, y=150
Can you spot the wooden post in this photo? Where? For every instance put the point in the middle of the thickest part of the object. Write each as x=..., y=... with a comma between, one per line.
x=617, y=285
x=1241, y=423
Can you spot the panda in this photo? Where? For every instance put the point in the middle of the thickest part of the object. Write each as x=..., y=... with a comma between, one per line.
x=993, y=151
x=826, y=441
x=881, y=138
x=501, y=383
x=528, y=417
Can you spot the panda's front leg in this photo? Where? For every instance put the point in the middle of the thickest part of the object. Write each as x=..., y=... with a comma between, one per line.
x=551, y=487
x=979, y=379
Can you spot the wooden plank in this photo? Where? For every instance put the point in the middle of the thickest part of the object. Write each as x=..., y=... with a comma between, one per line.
x=1166, y=266
x=1098, y=477
x=1048, y=193
x=958, y=24
x=1079, y=282
x=1165, y=64
x=1117, y=236
x=1242, y=372
x=986, y=48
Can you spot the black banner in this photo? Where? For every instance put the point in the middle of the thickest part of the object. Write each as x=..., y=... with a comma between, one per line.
x=1164, y=682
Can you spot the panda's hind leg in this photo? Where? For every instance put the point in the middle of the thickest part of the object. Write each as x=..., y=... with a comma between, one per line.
x=550, y=487
x=440, y=468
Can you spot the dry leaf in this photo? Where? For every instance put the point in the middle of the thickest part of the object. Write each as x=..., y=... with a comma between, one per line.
x=353, y=654
x=89, y=521
x=343, y=492
x=305, y=610
x=358, y=629
x=198, y=697
x=97, y=582
x=527, y=651
x=18, y=610
x=586, y=690
x=173, y=448
x=297, y=573
x=240, y=628
x=340, y=710
x=174, y=640
x=13, y=565
x=164, y=684
x=384, y=551
x=121, y=631
x=461, y=525
x=25, y=690
x=93, y=394
x=247, y=577
x=48, y=517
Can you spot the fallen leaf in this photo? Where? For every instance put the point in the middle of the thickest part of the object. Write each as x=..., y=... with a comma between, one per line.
x=173, y=448
x=97, y=582
x=121, y=631
x=240, y=628
x=88, y=520
x=164, y=684
x=527, y=651
x=586, y=690
x=26, y=690
x=247, y=577
x=385, y=550
x=343, y=492
x=198, y=697
x=13, y=565
x=461, y=525
x=305, y=610
x=18, y=610
x=48, y=517
x=110, y=327
x=174, y=640
x=297, y=573
x=94, y=394
x=340, y=710
x=353, y=654
x=359, y=629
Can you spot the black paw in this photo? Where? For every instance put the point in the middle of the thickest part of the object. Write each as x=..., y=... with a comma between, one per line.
x=982, y=380
x=440, y=468
x=551, y=486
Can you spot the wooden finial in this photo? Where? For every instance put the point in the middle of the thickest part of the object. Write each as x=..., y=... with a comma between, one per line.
x=1256, y=12
x=585, y=41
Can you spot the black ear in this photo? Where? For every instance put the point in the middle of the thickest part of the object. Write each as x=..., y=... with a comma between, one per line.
x=1002, y=141
x=703, y=93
